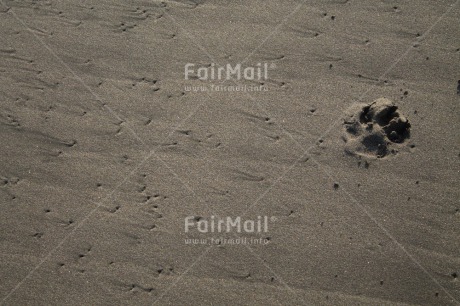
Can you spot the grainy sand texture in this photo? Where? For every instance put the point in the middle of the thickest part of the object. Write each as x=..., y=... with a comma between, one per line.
x=240, y=152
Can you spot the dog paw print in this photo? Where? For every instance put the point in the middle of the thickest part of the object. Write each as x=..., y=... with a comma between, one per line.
x=376, y=130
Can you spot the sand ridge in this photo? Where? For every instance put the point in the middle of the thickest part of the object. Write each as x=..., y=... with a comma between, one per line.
x=353, y=150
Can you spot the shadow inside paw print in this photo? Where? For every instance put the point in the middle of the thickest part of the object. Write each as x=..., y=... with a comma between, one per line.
x=375, y=129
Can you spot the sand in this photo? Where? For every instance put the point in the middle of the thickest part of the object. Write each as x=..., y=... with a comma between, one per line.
x=351, y=152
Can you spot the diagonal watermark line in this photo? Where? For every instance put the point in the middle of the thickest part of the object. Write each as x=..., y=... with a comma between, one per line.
x=210, y=247
x=192, y=38
x=194, y=41
x=75, y=75
x=389, y=235
x=330, y=129
x=306, y=152
x=77, y=226
x=391, y=67
x=303, y=155
x=202, y=255
x=275, y=31
x=151, y=153
x=388, y=70
x=100, y=204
